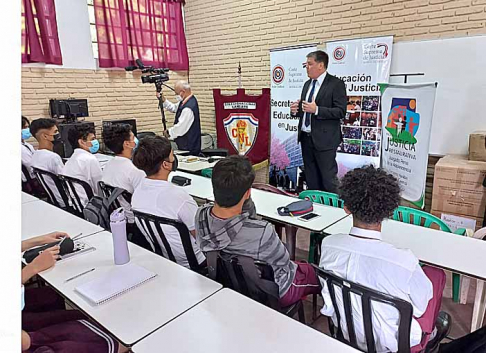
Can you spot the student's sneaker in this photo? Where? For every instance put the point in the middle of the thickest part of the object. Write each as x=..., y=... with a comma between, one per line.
x=443, y=324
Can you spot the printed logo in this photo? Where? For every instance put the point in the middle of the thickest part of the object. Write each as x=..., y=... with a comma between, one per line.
x=278, y=74
x=242, y=131
x=403, y=121
x=385, y=49
x=339, y=53
x=375, y=52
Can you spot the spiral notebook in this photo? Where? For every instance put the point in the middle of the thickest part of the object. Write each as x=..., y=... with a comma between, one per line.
x=115, y=283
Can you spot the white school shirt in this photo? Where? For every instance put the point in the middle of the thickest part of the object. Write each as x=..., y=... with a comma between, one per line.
x=378, y=265
x=50, y=162
x=84, y=166
x=27, y=151
x=121, y=173
x=164, y=199
x=319, y=82
x=185, y=119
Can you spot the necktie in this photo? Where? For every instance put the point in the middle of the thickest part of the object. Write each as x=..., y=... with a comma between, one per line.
x=308, y=115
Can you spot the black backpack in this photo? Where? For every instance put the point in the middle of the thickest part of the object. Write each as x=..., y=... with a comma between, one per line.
x=99, y=208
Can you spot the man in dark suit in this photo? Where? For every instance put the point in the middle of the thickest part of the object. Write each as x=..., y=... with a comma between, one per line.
x=320, y=109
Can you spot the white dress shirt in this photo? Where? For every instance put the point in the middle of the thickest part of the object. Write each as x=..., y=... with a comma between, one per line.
x=121, y=173
x=27, y=154
x=185, y=119
x=319, y=82
x=366, y=260
x=84, y=166
x=51, y=162
x=164, y=199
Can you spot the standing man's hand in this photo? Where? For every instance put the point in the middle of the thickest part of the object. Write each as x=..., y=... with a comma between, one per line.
x=160, y=96
x=294, y=107
x=309, y=107
x=166, y=134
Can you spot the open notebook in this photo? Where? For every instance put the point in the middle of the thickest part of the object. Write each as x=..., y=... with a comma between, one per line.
x=116, y=282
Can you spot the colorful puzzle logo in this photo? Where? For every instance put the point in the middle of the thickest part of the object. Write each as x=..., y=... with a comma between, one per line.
x=403, y=121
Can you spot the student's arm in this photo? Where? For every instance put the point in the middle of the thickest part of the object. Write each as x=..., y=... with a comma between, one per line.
x=42, y=262
x=136, y=177
x=171, y=107
x=271, y=249
x=96, y=176
x=421, y=291
x=58, y=165
x=187, y=215
x=43, y=239
x=182, y=127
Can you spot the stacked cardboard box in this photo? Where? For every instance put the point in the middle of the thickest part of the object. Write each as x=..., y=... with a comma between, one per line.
x=460, y=189
x=477, y=146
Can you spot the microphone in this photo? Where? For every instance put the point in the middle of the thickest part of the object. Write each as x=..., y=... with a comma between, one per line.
x=140, y=64
x=131, y=68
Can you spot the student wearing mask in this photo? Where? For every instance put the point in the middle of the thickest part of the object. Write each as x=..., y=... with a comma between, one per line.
x=361, y=256
x=82, y=164
x=27, y=149
x=120, y=171
x=47, y=134
x=157, y=196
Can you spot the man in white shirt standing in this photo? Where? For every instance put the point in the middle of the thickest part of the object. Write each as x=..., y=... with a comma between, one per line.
x=371, y=195
x=120, y=171
x=82, y=164
x=186, y=131
x=157, y=196
x=47, y=134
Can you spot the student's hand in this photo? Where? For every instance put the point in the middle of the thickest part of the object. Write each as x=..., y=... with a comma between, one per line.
x=294, y=107
x=53, y=237
x=309, y=107
x=46, y=259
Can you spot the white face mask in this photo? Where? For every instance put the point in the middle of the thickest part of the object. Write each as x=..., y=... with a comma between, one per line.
x=179, y=98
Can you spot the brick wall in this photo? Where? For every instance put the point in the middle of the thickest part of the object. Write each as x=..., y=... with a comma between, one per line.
x=111, y=94
x=220, y=33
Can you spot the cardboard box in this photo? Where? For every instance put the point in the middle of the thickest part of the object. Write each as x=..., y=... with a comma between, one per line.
x=458, y=187
x=477, y=146
x=459, y=221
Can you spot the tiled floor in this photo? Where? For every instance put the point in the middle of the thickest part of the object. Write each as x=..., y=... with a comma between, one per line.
x=461, y=313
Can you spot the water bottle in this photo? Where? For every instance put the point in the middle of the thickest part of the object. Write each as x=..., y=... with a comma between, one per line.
x=119, y=231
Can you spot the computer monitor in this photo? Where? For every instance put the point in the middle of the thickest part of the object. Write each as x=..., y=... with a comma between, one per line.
x=69, y=109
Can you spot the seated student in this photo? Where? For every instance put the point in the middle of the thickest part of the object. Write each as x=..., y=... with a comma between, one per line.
x=120, y=171
x=47, y=134
x=371, y=195
x=82, y=164
x=156, y=196
x=27, y=149
x=228, y=226
x=46, y=324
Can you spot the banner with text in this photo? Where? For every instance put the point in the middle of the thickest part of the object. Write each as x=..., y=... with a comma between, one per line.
x=361, y=64
x=408, y=111
x=288, y=75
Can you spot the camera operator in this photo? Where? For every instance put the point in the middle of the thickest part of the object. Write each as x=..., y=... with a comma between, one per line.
x=186, y=131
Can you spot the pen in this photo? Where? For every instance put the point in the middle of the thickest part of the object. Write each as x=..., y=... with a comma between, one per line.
x=81, y=274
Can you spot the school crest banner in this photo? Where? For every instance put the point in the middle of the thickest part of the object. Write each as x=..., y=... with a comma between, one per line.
x=361, y=64
x=407, y=110
x=243, y=123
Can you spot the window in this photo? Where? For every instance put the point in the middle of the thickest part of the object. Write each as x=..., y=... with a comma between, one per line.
x=92, y=27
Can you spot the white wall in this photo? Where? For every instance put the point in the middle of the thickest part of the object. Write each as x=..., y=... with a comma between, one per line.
x=74, y=36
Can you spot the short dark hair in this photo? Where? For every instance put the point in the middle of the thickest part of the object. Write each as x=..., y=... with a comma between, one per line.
x=115, y=135
x=319, y=56
x=25, y=122
x=80, y=132
x=41, y=124
x=150, y=154
x=370, y=194
x=231, y=178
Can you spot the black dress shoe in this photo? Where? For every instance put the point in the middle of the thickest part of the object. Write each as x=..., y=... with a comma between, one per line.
x=443, y=325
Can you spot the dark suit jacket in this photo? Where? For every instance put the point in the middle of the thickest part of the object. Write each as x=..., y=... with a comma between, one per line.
x=326, y=126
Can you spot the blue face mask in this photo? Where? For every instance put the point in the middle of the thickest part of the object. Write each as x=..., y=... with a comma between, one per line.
x=136, y=142
x=95, y=146
x=26, y=133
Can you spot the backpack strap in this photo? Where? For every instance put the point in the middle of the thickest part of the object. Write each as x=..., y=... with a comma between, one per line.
x=115, y=194
x=212, y=260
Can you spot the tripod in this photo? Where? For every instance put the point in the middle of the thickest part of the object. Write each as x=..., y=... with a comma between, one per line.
x=158, y=87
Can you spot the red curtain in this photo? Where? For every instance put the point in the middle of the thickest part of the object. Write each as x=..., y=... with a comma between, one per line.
x=149, y=30
x=40, y=42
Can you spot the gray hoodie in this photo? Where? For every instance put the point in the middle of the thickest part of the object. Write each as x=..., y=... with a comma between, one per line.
x=242, y=235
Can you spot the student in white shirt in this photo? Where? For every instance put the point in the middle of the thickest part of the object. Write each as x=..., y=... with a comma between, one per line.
x=371, y=195
x=82, y=164
x=120, y=171
x=27, y=149
x=157, y=196
x=47, y=134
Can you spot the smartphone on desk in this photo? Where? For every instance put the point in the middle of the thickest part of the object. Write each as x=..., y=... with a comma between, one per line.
x=309, y=216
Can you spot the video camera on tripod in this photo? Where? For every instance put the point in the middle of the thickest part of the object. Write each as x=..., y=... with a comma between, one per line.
x=156, y=76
